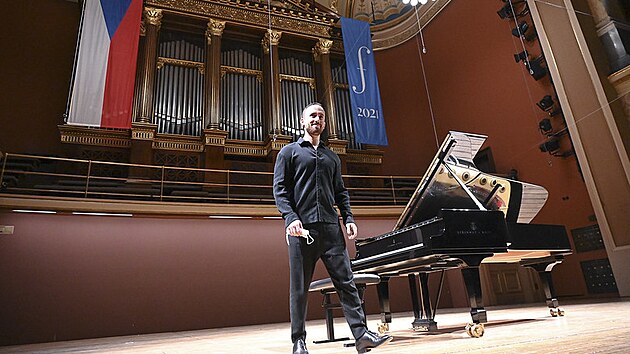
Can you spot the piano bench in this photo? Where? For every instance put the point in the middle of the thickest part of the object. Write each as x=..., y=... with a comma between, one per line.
x=326, y=287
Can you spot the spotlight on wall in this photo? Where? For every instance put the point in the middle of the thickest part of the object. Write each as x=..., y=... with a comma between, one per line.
x=545, y=125
x=520, y=56
x=550, y=145
x=520, y=29
x=505, y=11
x=536, y=70
x=546, y=103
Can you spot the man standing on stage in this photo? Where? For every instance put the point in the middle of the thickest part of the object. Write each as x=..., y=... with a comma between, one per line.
x=306, y=185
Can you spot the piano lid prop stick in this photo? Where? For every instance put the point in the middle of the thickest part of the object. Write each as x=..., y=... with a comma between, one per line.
x=493, y=192
x=464, y=187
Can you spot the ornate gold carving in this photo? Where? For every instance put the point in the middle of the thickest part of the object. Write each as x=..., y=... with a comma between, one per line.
x=179, y=143
x=72, y=134
x=322, y=47
x=153, y=16
x=143, y=28
x=252, y=12
x=309, y=80
x=338, y=146
x=272, y=37
x=216, y=27
x=143, y=131
x=392, y=33
x=275, y=142
x=214, y=137
x=333, y=6
x=161, y=61
x=364, y=157
x=337, y=85
x=241, y=71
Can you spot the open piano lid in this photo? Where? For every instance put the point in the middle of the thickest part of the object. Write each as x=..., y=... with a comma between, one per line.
x=436, y=192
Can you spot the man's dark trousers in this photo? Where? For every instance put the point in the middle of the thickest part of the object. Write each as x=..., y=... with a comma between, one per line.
x=330, y=246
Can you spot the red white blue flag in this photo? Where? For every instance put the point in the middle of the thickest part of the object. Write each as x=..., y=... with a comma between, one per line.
x=102, y=91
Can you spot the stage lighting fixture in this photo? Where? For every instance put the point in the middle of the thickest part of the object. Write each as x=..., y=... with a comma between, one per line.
x=536, y=70
x=550, y=145
x=505, y=12
x=520, y=56
x=546, y=103
x=520, y=30
x=545, y=125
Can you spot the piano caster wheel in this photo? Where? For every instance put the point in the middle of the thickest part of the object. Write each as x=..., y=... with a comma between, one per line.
x=555, y=312
x=475, y=330
x=383, y=328
x=560, y=312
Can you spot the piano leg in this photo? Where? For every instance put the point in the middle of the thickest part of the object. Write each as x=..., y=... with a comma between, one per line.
x=421, y=323
x=544, y=268
x=473, y=287
x=382, y=289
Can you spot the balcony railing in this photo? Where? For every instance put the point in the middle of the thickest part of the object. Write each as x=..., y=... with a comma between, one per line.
x=62, y=177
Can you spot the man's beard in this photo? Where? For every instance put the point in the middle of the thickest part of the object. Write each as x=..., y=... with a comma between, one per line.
x=314, y=130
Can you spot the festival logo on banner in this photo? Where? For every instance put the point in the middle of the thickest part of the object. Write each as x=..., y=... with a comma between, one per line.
x=365, y=97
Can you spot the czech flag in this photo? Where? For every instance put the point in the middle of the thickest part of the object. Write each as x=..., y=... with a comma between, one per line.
x=102, y=91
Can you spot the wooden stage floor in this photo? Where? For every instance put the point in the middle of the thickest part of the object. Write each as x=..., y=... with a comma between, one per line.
x=602, y=326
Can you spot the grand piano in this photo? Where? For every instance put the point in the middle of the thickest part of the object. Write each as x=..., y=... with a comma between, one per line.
x=460, y=217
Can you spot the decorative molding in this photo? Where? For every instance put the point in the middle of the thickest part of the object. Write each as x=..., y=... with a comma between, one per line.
x=122, y=139
x=143, y=131
x=371, y=157
x=621, y=80
x=315, y=23
x=179, y=143
x=310, y=81
x=338, y=146
x=215, y=27
x=322, y=47
x=275, y=142
x=245, y=148
x=272, y=37
x=214, y=137
x=72, y=134
x=395, y=32
x=161, y=61
x=153, y=16
x=241, y=71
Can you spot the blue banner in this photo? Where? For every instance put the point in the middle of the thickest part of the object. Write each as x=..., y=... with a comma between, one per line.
x=365, y=98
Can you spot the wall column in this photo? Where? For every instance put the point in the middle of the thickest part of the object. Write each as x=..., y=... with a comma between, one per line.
x=271, y=73
x=326, y=94
x=608, y=32
x=143, y=129
x=213, y=137
x=325, y=88
x=153, y=21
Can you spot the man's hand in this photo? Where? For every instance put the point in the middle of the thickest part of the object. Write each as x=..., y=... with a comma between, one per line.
x=295, y=228
x=352, y=230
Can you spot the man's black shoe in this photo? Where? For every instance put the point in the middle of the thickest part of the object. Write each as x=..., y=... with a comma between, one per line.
x=299, y=347
x=370, y=340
